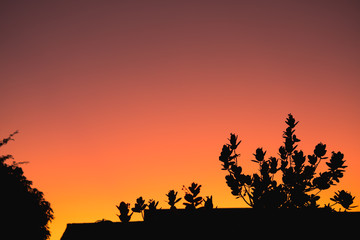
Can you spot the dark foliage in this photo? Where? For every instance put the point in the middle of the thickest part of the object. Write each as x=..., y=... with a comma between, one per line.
x=344, y=198
x=139, y=206
x=300, y=184
x=191, y=196
x=172, y=200
x=152, y=204
x=124, y=212
x=208, y=203
x=25, y=213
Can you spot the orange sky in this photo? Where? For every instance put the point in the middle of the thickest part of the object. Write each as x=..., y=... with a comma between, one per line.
x=117, y=99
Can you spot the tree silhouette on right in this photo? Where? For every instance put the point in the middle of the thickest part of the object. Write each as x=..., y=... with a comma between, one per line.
x=300, y=182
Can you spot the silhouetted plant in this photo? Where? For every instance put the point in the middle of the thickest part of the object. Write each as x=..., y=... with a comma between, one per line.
x=152, y=204
x=191, y=196
x=299, y=179
x=24, y=213
x=124, y=209
x=208, y=203
x=172, y=200
x=344, y=198
x=139, y=206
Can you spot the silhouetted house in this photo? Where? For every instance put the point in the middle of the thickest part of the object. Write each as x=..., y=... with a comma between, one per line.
x=235, y=222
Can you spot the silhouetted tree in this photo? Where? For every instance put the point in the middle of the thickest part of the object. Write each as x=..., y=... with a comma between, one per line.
x=300, y=184
x=208, y=203
x=172, y=199
x=345, y=199
x=24, y=212
x=152, y=204
x=191, y=196
x=139, y=206
x=124, y=212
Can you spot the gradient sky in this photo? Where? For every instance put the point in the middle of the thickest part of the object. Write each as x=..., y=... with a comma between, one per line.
x=120, y=99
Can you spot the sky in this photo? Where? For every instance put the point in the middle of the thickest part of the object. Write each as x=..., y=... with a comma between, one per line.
x=120, y=99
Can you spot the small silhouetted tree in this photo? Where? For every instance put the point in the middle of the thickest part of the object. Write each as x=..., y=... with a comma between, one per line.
x=191, y=194
x=24, y=212
x=172, y=200
x=152, y=204
x=208, y=203
x=140, y=206
x=300, y=182
x=124, y=209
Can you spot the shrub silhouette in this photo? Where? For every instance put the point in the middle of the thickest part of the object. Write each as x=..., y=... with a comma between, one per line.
x=140, y=206
x=191, y=196
x=124, y=212
x=344, y=199
x=25, y=213
x=300, y=185
x=208, y=203
x=152, y=204
x=172, y=199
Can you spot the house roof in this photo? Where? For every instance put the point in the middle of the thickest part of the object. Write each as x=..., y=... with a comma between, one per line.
x=231, y=222
x=101, y=230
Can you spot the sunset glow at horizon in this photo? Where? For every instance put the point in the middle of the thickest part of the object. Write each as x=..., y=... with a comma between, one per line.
x=115, y=100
